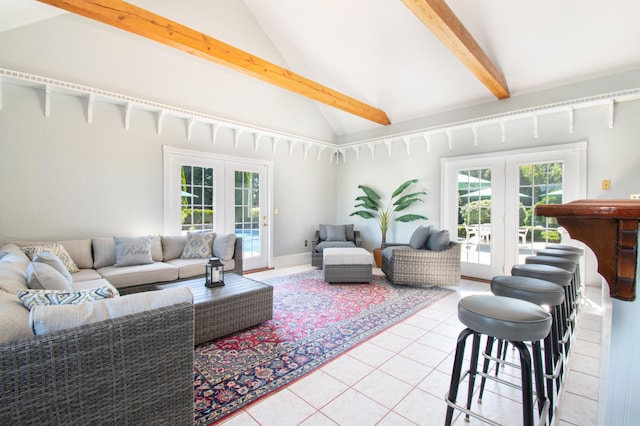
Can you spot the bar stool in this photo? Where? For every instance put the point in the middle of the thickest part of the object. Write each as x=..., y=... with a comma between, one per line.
x=514, y=320
x=569, y=265
x=574, y=254
x=543, y=293
x=558, y=276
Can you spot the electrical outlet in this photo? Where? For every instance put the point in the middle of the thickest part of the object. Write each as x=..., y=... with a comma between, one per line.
x=606, y=184
x=306, y=243
x=635, y=196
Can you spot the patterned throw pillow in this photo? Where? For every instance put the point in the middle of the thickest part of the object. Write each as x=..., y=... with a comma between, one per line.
x=199, y=245
x=56, y=249
x=30, y=298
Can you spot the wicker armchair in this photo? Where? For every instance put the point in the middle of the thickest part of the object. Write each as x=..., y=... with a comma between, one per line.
x=132, y=370
x=316, y=256
x=423, y=267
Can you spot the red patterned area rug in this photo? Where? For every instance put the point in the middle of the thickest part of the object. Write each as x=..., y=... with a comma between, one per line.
x=313, y=322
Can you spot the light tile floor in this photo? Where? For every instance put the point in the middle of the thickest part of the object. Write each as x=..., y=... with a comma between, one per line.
x=400, y=376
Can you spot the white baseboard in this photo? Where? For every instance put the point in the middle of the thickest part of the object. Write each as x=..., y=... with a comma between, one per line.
x=292, y=260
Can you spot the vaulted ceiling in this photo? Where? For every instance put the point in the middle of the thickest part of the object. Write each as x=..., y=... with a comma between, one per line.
x=384, y=54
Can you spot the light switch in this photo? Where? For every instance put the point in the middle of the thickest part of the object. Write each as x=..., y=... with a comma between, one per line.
x=276, y=211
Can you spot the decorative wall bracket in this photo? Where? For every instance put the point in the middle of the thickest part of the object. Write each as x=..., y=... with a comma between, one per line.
x=610, y=229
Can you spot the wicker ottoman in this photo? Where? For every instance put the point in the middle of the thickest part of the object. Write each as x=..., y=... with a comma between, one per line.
x=347, y=265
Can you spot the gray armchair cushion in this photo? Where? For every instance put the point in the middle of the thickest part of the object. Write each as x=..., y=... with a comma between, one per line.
x=438, y=240
x=387, y=252
x=349, y=232
x=419, y=238
x=333, y=244
x=336, y=233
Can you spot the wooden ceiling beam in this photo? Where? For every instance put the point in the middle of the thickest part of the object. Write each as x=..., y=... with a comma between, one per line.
x=147, y=24
x=445, y=25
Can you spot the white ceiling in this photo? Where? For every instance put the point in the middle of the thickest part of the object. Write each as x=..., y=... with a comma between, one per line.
x=378, y=52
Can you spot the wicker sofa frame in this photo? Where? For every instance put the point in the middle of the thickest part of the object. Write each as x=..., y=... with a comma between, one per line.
x=133, y=370
x=316, y=257
x=424, y=267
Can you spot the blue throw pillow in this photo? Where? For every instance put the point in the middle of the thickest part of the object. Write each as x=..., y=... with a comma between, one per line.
x=438, y=240
x=419, y=237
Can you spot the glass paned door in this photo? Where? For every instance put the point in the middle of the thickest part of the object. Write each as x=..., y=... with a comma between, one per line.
x=540, y=183
x=197, y=198
x=474, y=215
x=251, y=219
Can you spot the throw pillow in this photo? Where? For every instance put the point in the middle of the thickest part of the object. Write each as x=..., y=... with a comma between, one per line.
x=133, y=251
x=31, y=298
x=224, y=246
x=55, y=262
x=438, y=240
x=198, y=246
x=41, y=276
x=419, y=237
x=54, y=248
x=49, y=319
x=336, y=233
x=173, y=246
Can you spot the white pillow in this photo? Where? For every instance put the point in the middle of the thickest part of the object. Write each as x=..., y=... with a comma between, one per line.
x=49, y=319
x=41, y=276
x=53, y=261
x=224, y=246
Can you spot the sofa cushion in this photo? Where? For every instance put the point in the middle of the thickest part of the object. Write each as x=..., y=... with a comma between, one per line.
x=56, y=249
x=41, y=276
x=419, y=238
x=139, y=274
x=79, y=250
x=173, y=246
x=91, y=284
x=224, y=246
x=438, y=240
x=104, y=252
x=53, y=261
x=387, y=252
x=156, y=248
x=132, y=251
x=49, y=319
x=198, y=246
x=336, y=233
x=85, y=275
x=188, y=268
x=14, y=318
x=31, y=298
x=12, y=278
x=333, y=244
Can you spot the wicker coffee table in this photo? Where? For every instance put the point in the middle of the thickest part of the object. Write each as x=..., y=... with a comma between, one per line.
x=240, y=303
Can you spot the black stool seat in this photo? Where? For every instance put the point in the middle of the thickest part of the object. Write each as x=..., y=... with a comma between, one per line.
x=566, y=247
x=504, y=317
x=534, y=290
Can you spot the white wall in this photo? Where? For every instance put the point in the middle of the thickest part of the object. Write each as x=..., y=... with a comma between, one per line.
x=61, y=177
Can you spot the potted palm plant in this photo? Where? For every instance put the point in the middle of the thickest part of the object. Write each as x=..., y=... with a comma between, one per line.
x=372, y=208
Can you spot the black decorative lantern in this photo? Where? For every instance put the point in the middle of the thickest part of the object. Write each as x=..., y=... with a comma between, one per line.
x=214, y=273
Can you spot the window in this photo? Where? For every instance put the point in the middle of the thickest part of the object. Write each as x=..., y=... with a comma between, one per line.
x=197, y=193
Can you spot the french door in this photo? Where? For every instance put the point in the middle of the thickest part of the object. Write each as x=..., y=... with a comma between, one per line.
x=489, y=200
x=204, y=191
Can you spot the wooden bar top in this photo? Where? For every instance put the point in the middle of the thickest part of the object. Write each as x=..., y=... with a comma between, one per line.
x=610, y=229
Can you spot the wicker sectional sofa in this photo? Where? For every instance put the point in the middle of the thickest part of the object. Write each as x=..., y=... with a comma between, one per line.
x=134, y=367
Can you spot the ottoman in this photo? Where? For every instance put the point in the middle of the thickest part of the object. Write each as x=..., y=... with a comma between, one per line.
x=347, y=265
